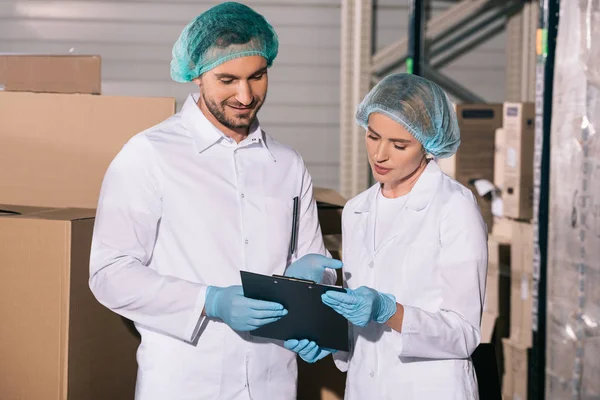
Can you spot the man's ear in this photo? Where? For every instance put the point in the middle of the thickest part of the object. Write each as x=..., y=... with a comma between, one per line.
x=198, y=81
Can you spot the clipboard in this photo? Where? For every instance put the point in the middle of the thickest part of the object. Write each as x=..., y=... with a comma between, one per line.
x=307, y=318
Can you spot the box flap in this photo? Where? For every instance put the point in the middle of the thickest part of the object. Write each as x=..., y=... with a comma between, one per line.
x=328, y=197
x=7, y=210
x=59, y=214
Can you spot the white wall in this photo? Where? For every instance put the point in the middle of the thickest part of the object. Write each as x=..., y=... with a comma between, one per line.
x=135, y=38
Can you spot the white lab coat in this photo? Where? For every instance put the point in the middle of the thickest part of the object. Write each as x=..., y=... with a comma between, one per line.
x=182, y=207
x=434, y=260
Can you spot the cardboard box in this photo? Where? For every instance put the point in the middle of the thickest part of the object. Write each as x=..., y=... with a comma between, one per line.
x=496, y=308
x=475, y=156
x=488, y=323
x=518, y=166
x=499, y=153
x=50, y=73
x=514, y=382
x=490, y=304
x=57, y=147
x=521, y=300
x=333, y=243
x=58, y=342
x=320, y=381
x=522, y=247
x=329, y=207
x=498, y=278
x=502, y=229
x=448, y=166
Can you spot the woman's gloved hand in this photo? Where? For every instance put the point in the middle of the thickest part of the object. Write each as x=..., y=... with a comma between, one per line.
x=362, y=305
x=239, y=312
x=309, y=351
x=312, y=267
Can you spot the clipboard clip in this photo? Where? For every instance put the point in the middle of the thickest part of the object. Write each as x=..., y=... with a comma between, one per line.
x=289, y=278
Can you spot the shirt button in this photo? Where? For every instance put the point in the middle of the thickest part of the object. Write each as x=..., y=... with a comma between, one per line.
x=242, y=195
x=246, y=241
x=372, y=374
x=371, y=264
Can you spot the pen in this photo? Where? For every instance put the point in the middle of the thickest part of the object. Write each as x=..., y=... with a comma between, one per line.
x=294, y=226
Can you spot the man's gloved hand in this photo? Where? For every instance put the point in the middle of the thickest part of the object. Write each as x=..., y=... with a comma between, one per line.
x=362, y=305
x=308, y=351
x=312, y=267
x=239, y=312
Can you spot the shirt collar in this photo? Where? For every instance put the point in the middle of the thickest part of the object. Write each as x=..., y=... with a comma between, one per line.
x=205, y=134
x=418, y=197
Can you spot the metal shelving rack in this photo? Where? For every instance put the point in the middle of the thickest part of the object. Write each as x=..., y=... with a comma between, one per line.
x=429, y=45
x=545, y=50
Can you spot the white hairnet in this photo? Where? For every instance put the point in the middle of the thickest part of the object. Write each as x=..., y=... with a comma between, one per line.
x=224, y=32
x=420, y=106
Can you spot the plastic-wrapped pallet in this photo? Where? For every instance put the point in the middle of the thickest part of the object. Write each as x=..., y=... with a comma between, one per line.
x=573, y=341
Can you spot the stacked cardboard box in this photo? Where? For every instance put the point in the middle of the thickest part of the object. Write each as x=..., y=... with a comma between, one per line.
x=475, y=157
x=514, y=164
x=58, y=342
x=50, y=73
x=521, y=283
x=514, y=383
x=61, y=144
x=497, y=299
x=516, y=347
x=498, y=277
x=518, y=163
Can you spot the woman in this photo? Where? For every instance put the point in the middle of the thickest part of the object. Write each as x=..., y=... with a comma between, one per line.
x=415, y=256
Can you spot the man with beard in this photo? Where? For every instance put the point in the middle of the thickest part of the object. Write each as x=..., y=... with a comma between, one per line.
x=188, y=204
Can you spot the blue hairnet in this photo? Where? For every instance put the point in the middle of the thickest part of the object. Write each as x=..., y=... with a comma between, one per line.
x=222, y=33
x=420, y=106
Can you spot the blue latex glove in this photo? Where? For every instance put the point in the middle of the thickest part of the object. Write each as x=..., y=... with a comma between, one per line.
x=308, y=350
x=239, y=312
x=362, y=305
x=312, y=267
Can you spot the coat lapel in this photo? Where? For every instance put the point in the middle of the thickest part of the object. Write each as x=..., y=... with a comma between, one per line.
x=365, y=212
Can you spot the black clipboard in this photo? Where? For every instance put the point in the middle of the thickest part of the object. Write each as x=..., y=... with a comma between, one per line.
x=307, y=318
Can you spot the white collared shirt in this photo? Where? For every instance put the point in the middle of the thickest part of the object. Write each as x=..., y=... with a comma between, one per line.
x=182, y=207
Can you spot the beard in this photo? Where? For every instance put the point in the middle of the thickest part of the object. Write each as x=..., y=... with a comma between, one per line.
x=219, y=111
